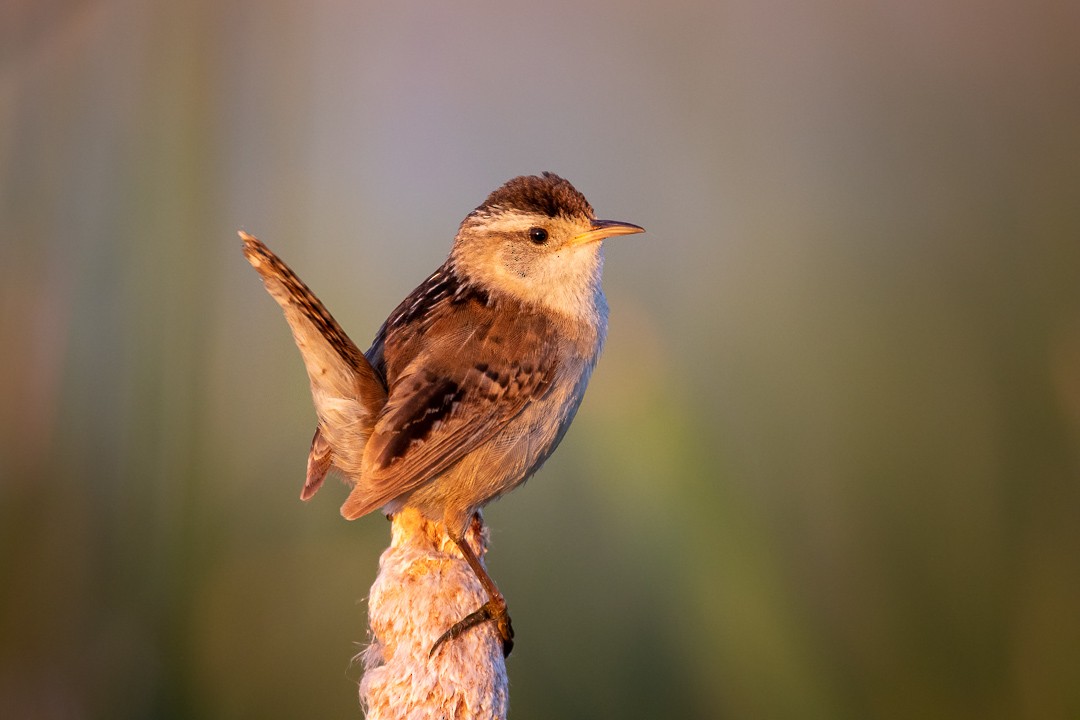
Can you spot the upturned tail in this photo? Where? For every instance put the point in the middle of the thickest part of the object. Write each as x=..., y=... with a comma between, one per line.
x=346, y=390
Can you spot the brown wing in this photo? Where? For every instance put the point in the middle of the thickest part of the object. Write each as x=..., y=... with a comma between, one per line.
x=455, y=394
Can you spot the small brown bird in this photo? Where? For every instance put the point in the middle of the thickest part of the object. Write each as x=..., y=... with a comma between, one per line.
x=473, y=380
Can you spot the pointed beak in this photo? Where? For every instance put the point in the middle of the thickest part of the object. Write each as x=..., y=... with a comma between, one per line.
x=604, y=229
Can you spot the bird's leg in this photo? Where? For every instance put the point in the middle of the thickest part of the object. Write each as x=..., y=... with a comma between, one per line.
x=494, y=609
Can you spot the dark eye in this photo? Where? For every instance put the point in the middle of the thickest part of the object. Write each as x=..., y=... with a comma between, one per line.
x=538, y=235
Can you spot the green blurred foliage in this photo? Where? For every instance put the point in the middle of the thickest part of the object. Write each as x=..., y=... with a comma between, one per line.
x=829, y=466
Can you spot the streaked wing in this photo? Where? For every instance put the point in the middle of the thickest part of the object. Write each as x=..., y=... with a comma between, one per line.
x=450, y=399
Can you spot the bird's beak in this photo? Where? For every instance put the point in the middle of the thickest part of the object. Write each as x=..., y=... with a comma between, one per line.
x=604, y=229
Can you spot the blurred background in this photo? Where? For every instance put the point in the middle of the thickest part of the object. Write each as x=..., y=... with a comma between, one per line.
x=829, y=466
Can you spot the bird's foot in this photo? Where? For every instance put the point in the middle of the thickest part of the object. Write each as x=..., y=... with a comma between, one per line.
x=493, y=610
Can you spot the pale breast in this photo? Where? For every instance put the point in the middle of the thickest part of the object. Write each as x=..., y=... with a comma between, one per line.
x=523, y=369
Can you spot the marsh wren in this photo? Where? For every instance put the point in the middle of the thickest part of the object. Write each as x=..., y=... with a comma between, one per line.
x=473, y=380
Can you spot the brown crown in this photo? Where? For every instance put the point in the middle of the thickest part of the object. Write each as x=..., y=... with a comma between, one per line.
x=546, y=194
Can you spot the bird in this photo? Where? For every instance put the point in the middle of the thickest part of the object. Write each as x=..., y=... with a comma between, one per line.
x=473, y=380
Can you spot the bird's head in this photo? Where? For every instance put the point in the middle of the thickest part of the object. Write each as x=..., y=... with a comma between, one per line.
x=537, y=239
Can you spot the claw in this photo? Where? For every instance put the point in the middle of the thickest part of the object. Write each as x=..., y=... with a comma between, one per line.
x=491, y=610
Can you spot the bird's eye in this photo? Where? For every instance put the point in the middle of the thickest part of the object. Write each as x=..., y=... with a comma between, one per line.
x=538, y=235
